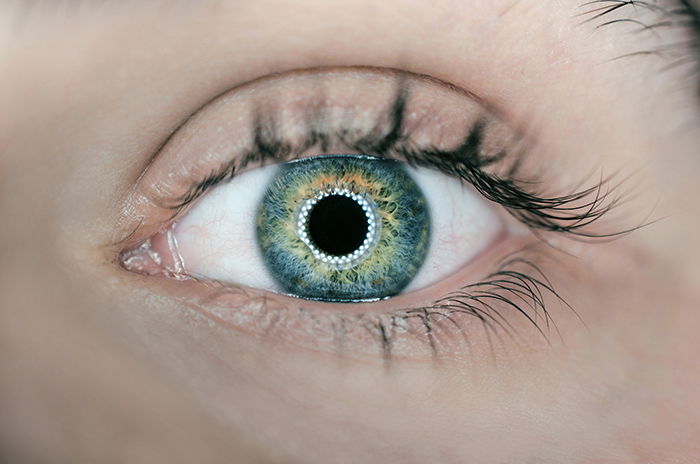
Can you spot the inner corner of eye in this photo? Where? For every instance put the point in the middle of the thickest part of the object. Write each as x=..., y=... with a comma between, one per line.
x=335, y=228
x=155, y=255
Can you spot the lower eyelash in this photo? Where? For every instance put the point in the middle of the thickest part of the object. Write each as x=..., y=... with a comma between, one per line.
x=517, y=287
x=507, y=285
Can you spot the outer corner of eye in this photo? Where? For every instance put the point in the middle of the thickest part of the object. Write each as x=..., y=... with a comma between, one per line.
x=335, y=228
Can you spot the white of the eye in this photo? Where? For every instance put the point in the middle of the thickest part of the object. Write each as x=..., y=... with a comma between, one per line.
x=463, y=225
x=217, y=238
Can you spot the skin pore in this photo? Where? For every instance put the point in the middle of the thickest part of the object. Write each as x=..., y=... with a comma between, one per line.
x=98, y=364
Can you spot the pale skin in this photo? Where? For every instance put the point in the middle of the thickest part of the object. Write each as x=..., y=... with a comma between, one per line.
x=98, y=364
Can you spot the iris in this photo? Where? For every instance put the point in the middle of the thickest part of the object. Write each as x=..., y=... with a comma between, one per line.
x=343, y=228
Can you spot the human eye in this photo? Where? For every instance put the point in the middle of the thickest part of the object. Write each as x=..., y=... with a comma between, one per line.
x=360, y=204
x=341, y=228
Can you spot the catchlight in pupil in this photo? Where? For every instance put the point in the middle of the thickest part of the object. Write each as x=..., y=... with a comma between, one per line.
x=338, y=225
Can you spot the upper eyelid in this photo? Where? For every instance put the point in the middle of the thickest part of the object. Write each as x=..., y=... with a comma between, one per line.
x=384, y=144
x=265, y=137
x=202, y=106
x=141, y=194
x=572, y=213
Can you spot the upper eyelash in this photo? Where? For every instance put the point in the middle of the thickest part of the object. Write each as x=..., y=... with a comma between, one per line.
x=571, y=213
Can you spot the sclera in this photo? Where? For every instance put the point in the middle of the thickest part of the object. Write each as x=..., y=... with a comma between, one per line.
x=217, y=239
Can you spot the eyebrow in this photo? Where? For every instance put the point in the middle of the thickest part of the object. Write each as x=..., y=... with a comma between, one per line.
x=683, y=8
x=679, y=14
x=26, y=7
x=683, y=13
x=691, y=10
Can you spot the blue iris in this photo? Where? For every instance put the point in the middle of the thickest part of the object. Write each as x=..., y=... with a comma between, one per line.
x=343, y=228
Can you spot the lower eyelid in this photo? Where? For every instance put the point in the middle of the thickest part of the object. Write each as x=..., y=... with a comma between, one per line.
x=379, y=331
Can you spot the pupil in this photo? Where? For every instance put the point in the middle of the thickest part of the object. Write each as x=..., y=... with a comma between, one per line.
x=337, y=225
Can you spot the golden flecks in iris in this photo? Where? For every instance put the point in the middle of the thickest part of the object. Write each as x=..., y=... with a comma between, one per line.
x=385, y=186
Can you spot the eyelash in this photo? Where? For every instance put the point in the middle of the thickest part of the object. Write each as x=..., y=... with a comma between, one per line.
x=474, y=300
x=571, y=213
x=518, y=284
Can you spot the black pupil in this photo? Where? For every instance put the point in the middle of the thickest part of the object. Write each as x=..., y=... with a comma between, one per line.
x=337, y=225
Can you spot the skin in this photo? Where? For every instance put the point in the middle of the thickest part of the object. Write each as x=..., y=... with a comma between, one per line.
x=101, y=365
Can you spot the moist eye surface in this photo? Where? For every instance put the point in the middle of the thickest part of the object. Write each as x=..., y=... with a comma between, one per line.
x=343, y=228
